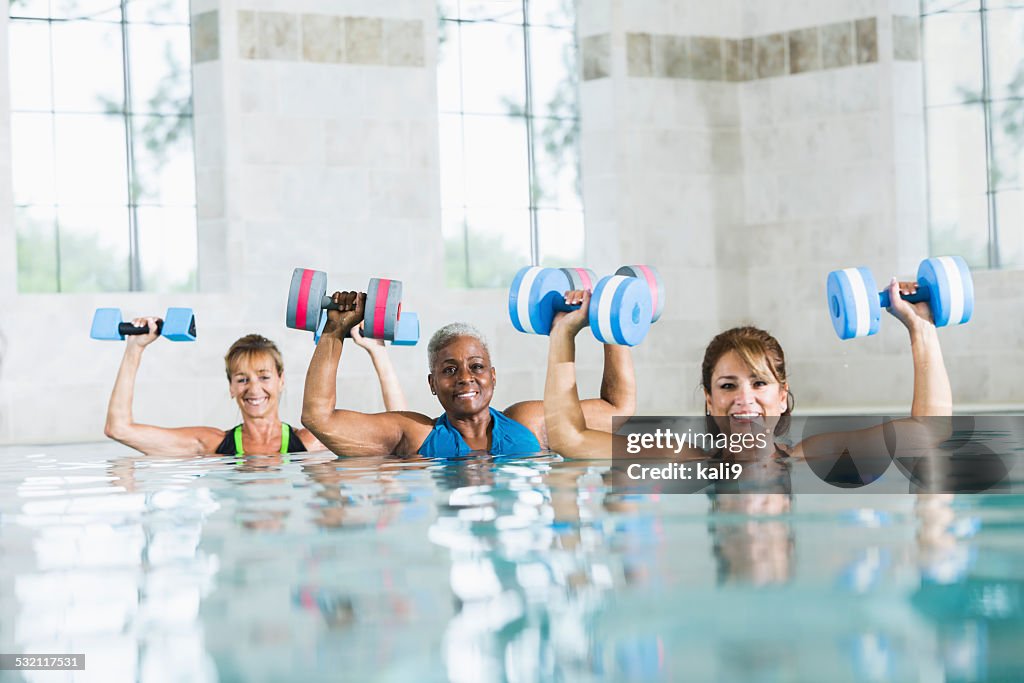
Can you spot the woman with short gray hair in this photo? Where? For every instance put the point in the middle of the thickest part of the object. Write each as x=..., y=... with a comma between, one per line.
x=463, y=379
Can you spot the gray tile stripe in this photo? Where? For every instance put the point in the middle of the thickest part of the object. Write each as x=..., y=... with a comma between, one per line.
x=816, y=48
x=319, y=38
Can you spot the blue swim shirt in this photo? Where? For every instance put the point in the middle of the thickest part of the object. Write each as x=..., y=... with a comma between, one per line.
x=507, y=437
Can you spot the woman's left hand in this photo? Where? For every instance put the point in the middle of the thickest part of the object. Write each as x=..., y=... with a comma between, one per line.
x=911, y=315
x=367, y=343
x=573, y=321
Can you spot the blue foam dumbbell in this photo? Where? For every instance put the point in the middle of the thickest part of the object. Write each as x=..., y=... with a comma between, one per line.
x=179, y=324
x=621, y=308
x=855, y=304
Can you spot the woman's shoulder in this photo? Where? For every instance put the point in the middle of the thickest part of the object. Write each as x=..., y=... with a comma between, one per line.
x=525, y=412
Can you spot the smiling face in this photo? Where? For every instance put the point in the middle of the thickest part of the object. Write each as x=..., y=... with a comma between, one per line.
x=463, y=378
x=742, y=393
x=256, y=385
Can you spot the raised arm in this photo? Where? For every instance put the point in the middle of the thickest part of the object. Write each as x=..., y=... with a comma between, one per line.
x=149, y=439
x=564, y=417
x=390, y=388
x=933, y=395
x=347, y=432
x=618, y=389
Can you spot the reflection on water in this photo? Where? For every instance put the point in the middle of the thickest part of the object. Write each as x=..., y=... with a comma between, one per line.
x=312, y=568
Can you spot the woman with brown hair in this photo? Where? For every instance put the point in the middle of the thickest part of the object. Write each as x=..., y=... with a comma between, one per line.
x=255, y=372
x=743, y=376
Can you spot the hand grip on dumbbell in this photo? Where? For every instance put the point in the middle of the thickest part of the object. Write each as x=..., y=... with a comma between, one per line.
x=407, y=332
x=622, y=306
x=855, y=303
x=179, y=324
x=383, y=317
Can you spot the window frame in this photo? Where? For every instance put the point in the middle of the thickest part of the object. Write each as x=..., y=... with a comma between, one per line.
x=126, y=114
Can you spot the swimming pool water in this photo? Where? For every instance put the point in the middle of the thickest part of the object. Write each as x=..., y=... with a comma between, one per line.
x=315, y=568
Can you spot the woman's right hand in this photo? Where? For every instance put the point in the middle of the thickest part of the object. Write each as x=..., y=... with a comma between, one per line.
x=143, y=340
x=573, y=321
x=340, y=321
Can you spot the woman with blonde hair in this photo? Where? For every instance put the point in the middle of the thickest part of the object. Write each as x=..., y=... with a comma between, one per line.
x=255, y=372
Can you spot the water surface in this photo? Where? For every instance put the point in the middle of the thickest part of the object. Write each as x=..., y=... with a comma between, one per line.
x=316, y=568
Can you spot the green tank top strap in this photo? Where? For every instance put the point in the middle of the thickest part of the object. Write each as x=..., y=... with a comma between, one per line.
x=286, y=433
x=286, y=437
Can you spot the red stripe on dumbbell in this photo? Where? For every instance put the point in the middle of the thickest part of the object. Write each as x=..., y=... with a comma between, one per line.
x=303, y=299
x=379, y=307
x=652, y=284
x=585, y=278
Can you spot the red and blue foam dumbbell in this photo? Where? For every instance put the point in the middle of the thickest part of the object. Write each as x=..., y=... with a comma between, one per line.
x=383, y=318
x=622, y=306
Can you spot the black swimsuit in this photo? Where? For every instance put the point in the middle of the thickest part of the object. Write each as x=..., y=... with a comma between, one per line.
x=232, y=443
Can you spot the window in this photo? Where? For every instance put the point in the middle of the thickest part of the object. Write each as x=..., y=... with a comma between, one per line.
x=101, y=136
x=509, y=129
x=974, y=100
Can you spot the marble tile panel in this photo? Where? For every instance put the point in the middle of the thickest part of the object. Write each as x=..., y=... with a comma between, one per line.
x=671, y=56
x=770, y=55
x=867, y=40
x=739, y=59
x=364, y=40
x=837, y=45
x=706, y=61
x=403, y=42
x=638, y=55
x=906, y=38
x=277, y=36
x=247, y=34
x=205, y=37
x=804, y=52
x=596, y=56
x=322, y=38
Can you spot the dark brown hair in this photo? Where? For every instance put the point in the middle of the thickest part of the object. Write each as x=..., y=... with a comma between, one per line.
x=249, y=346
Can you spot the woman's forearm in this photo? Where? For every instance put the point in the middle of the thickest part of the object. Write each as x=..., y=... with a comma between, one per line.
x=119, y=409
x=618, y=383
x=563, y=414
x=390, y=387
x=933, y=395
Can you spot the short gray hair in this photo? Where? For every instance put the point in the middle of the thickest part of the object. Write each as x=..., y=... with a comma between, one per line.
x=447, y=334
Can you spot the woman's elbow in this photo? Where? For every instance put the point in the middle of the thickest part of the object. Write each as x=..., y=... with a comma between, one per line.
x=114, y=430
x=314, y=420
x=626, y=407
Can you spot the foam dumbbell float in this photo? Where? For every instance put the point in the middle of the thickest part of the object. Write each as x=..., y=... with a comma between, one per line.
x=308, y=303
x=179, y=324
x=855, y=303
x=621, y=306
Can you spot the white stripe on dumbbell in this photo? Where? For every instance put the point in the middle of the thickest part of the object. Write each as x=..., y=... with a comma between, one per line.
x=956, y=290
x=523, y=301
x=604, y=310
x=860, y=293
